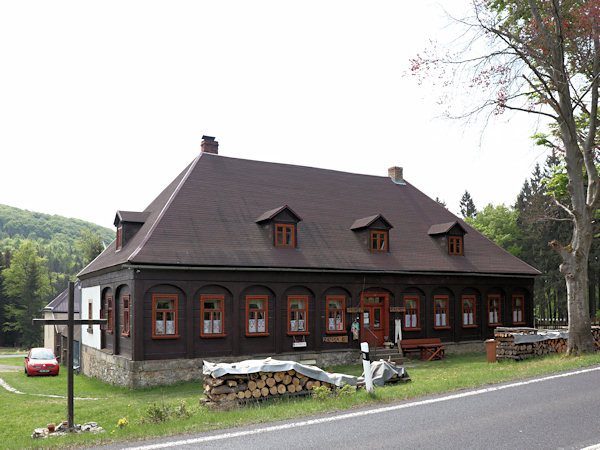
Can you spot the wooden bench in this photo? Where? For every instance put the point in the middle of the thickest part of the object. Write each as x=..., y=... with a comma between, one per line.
x=428, y=349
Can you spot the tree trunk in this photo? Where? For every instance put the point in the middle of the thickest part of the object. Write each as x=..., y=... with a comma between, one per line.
x=575, y=270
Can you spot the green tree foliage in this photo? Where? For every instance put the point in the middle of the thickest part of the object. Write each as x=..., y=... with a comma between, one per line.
x=500, y=224
x=64, y=245
x=26, y=285
x=90, y=244
x=467, y=206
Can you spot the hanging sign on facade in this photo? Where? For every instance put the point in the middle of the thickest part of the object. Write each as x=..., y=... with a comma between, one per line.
x=335, y=339
x=396, y=309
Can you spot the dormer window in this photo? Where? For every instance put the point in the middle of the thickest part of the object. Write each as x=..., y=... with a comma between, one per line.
x=285, y=235
x=379, y=241
x=450, y=237
x=455, y=245
x=374, y=232
x=128, y=223
x=280, y=224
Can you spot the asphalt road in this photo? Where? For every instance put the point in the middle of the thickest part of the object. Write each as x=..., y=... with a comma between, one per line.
x=559, y=411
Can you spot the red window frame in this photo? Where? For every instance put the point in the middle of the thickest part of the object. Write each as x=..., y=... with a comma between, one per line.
x=109, y=314
x=165, y=312
x=295, y=314
x=125, y=304
x=337, y=315
x=211, y=314
x=455, y=245
x=409, y=313
x=379, y=241
x=471, y=321
x=255, y=312
x=516, y=309
x=119, y=237
x=285, y=235
x=441, y=310
x=494, y=311
x=90, y=328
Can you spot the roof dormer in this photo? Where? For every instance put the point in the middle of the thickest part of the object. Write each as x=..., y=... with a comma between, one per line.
x=282, y=225
x=375, y=230
x=128, y=224
x=450, y=236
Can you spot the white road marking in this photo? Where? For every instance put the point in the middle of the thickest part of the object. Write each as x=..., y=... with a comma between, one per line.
x=361, y=413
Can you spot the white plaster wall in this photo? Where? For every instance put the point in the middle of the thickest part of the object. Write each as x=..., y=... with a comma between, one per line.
x=90, y=294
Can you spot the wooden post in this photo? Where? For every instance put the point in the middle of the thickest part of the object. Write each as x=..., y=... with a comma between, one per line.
x=70, y=332
x=70, y=322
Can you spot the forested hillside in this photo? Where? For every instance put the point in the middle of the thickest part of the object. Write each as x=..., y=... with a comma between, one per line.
x=39, y=254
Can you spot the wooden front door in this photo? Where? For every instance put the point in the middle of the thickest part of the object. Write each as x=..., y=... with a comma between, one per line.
x=375, y=317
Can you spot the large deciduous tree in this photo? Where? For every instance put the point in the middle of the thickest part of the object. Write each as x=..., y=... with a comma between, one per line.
x=26, y=285
x=543, y=57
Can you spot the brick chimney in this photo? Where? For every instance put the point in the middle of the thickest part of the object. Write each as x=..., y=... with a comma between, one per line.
x=209, y=145
x=395, y=173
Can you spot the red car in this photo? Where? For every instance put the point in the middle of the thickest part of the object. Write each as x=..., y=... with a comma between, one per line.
x=41, y=361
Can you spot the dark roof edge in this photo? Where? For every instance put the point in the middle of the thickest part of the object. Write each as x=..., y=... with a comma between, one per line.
x=293, y=269
x=165, y=208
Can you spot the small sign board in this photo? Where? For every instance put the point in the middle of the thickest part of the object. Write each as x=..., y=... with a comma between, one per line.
x=396, y=309
x=354, y=309
x=299, y=344
x=335, y=338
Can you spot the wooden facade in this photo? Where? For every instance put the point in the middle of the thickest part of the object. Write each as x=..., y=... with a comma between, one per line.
x=146, y=285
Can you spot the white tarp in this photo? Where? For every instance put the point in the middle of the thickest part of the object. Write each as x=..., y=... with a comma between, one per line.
x=382, y=371
x=542, y=335
x=273, y=365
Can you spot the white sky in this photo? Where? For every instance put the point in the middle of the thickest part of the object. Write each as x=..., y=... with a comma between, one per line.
x=102, y=104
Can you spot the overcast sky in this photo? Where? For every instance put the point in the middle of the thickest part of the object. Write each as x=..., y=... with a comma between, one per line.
x=102, y=104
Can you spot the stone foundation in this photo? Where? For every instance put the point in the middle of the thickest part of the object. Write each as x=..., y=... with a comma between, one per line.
x=120, y=371
x=461, y=348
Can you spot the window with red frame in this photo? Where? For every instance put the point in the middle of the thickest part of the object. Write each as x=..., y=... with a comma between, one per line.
x=212, y=311
x=379, y=241
x=285, y=235
x=494, y=317
x=164, y=316
x=468, y=311
x=125, y=307
x=297, y=315
x=335, y=306
x=90, y=329
x=455, y=245
x=441, y=311
x=518, y=309
x=119, y=237
x=257, y=315
x=411, y=313
x=109, y=315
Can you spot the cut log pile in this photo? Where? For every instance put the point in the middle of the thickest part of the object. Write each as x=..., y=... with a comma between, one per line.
x=257, y=386
x=507, y=349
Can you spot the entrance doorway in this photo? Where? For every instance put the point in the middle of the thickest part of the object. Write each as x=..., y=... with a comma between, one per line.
x=374, y=316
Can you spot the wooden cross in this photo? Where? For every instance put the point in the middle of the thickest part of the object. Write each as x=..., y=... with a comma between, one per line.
x=70, y=321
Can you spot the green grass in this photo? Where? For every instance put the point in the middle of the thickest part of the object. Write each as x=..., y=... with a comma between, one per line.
x=16, y=361
x=12, y=351
x=23, y=413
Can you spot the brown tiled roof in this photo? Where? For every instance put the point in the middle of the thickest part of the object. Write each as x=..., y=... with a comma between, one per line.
x=368, y=221
x=207, y=217
x=131, y=216
x=443, y=228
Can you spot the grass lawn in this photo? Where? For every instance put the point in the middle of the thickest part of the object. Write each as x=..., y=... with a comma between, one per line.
x=23, y=413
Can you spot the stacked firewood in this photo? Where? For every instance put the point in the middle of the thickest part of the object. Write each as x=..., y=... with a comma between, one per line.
x=257, y=386
x=506, y=347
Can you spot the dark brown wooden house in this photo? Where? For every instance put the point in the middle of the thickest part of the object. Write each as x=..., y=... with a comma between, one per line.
x=239, y=258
